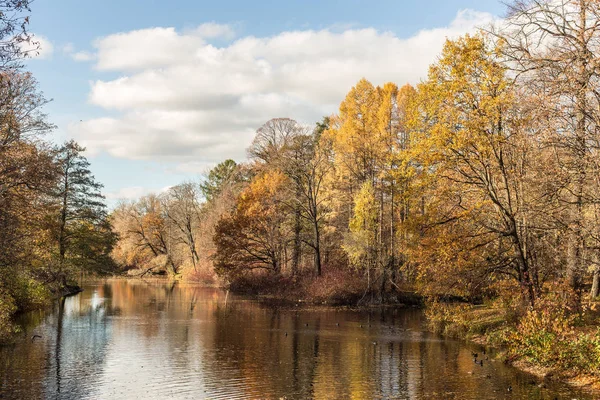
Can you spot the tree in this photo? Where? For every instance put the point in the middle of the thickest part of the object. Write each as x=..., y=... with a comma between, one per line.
x=80, y=204
x=274, y=147
x=308, y=166
x=182, y=211
x=224, y=173
x=368, y=143
x=553, y=48
x=27, y=175
x=360, y=243
x=477, y=146
x=14, y=22
x=273, y=139
x=254, y=236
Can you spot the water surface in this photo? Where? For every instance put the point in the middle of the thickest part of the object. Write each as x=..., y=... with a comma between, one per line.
x=131, y=339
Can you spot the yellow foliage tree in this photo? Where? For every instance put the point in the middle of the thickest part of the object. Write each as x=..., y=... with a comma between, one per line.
x=473, y=143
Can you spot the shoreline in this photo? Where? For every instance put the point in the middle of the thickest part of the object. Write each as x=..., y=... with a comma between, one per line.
x=587, y=383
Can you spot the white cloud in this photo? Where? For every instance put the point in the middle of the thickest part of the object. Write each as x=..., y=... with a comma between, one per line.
x=82, y=56
x=127, y=193
x=79, y=56
x=212, y=30
x=38, y=47
x=183, y=99
x=68, y=48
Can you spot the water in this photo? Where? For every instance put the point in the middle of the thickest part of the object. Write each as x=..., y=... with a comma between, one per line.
x=144, y=340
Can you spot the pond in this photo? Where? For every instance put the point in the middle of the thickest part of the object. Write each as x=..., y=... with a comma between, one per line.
x=133, y=339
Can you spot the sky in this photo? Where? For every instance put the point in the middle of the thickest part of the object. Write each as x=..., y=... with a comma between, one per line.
x=159, y=92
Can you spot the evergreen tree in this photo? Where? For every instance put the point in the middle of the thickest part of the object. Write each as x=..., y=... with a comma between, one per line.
x=83, y=236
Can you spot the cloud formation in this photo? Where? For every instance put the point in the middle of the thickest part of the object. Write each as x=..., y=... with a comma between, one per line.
x=182, y=98
x=80, y=56
x=132, y=193
x=38, y=48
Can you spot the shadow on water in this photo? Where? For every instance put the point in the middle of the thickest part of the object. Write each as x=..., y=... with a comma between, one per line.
x=134, y=339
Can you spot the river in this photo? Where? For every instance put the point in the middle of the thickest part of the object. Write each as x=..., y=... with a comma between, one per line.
x=134, y=339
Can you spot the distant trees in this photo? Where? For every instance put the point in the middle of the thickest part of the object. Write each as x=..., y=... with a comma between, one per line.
x=145, y=235
x=173, y=231
x=182, y=211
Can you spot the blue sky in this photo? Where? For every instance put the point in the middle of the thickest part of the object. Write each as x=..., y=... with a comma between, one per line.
x=160, y=91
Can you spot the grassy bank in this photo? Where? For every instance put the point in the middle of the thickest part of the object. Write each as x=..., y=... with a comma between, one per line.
x=28, y=295
x=551, y=340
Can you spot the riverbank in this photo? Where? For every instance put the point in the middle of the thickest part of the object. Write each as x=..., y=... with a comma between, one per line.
x=36, y=297
x=332, y=288
x=549, y=343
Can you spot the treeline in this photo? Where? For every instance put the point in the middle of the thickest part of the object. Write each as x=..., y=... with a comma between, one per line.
x=53, y=221
x=483, y=178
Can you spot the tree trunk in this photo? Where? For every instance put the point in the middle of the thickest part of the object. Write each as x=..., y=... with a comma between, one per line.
x=297, y=241
x=575, y=264
x=595, y=292
x=62, y=245
x=317, y=247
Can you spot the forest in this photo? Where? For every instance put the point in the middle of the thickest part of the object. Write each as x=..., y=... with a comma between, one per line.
x=476, y=191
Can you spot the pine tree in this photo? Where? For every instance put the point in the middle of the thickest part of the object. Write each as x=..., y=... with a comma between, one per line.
x=81, y=211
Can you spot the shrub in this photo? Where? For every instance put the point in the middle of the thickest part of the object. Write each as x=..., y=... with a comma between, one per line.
x=202, y=275
x=463, y=320
x=334, y=286
x=7, y=309
x=548, y=335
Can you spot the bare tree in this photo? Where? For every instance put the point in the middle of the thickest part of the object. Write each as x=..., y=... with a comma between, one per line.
x=307, y=166
x=554, y=47
x=273, y=138
x=182, y=211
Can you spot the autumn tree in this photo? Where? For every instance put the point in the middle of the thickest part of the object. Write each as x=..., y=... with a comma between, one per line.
x=149, y=233
x=361, y=241
x=275, y=147
x=26, y=167
x=368, y=143
x=478, y=148
x=255, y=235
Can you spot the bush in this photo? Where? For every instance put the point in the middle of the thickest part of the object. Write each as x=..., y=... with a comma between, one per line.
x=260, y=282
x=335, y=286
x=463, y=320
x=7, y=309
x=202, y=275
x=549, y=335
